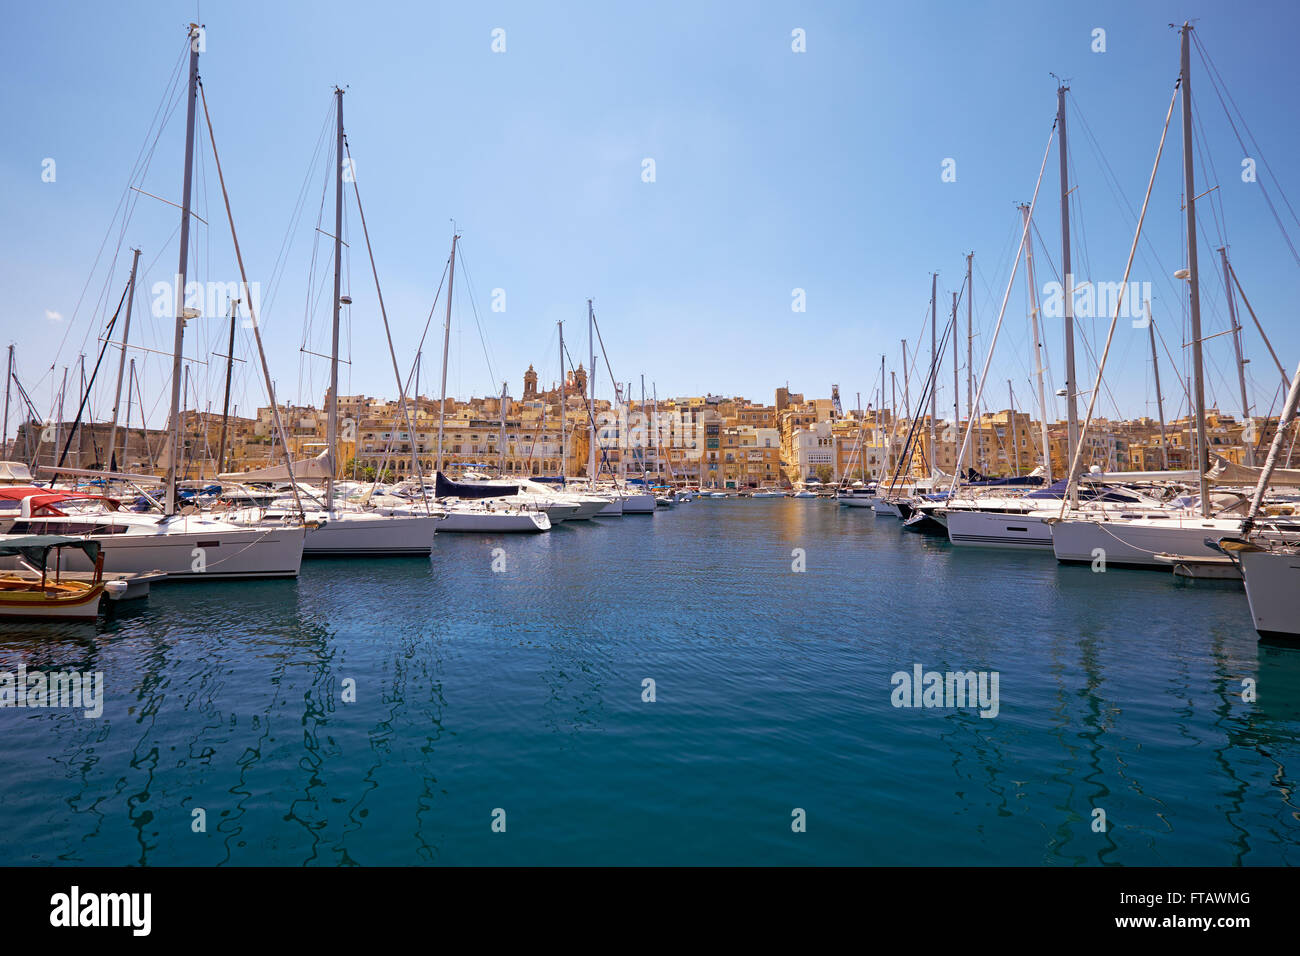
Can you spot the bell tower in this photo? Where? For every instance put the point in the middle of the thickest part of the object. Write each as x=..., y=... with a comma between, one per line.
x=530, y=384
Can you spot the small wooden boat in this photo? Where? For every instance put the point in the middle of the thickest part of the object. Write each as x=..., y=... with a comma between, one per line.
x=37, y=595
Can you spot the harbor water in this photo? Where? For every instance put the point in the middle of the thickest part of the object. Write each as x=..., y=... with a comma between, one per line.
x=713, y=684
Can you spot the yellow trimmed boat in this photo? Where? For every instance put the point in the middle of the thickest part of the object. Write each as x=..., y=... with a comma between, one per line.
x=35, y=594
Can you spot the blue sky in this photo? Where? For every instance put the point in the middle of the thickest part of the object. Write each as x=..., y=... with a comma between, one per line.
x=774, y=170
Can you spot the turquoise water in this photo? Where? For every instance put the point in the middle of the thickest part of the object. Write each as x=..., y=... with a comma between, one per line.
x=522, y=690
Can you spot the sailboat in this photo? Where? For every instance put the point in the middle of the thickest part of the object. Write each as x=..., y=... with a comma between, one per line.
x=1031, y=521
x=1270, y=568
x=183, y=543
x=1189, y=531
x=623, y=499
x=464, y=507
x=349, y=530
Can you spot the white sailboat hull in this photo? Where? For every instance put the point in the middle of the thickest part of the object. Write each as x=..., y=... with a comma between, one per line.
x=198, y=551
x=367, y=534
x=588, y=508
x=494, y=522
x=1135, y=544
x=1273, y=590
x=639, y=504
x=859, y=502
x=994, y=529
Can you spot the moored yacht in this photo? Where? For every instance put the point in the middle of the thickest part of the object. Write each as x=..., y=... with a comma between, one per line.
x=183, y=545
x=1272, y=579
x=1129, y=540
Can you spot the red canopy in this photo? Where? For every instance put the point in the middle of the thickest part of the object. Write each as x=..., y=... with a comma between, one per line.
x=46, y=498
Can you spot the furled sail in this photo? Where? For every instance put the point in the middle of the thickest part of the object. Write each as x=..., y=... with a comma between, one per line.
x=318, y=468
x=1227, y=472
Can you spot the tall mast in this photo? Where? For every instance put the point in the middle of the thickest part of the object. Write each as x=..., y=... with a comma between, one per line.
x=126, y=432
x=624, y=400
x=1038, y=348
x=58, y=429
x=654, y=431
x=1071, y=392
x=225, y=404
x=893, y=422
x=121, y=362
x=1194, y=277
x=9, y=377
x=410, y=426
x=591, y=392
x=185, y=411
x=956, y=394
x=332, y=413
x=1015, y=443
x=934, y=367
x=564, y=448
x=907, y=395
x=1248, y=447
x=446, y=346
x=880, y=419
x=81, y=401
x=1160, y=402
x=182, y=268
x=970, y=342
x=501, y=437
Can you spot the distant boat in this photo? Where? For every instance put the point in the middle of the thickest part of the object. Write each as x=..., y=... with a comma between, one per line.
x=473, y=507
x=857, y=495
x=483, y=517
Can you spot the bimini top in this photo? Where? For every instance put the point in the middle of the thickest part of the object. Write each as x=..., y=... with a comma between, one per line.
x=973, y=479
x=43, y=498
x=1058, y=490
x=34, y=547
x=14, y=471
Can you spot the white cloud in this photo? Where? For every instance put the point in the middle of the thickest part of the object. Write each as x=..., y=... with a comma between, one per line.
x=53, y=316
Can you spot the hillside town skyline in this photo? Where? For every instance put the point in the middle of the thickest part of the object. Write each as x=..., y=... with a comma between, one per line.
x=709, y=439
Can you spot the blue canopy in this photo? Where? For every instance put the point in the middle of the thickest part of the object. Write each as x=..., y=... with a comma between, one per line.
x=446, y=488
